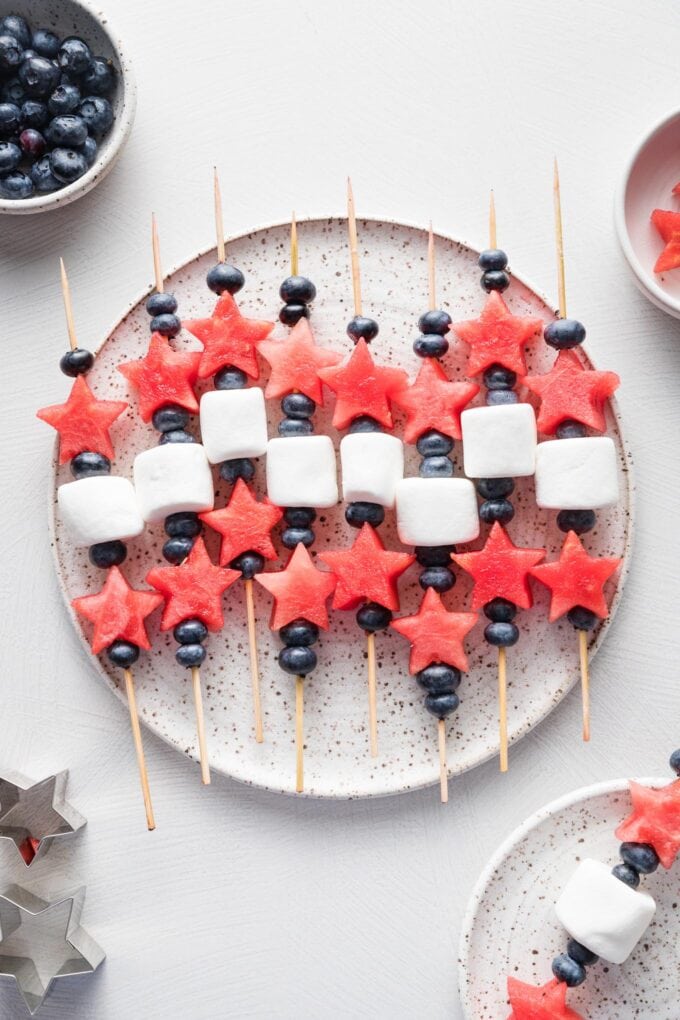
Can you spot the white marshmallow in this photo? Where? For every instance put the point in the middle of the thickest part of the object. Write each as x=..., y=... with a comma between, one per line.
x=499, y=441
x=577, y=474
x=233, y=424
x=372, y=464
x=99, y=509
x=436, y=511
x=602, y=913
x=301, y=471
x=172, y=478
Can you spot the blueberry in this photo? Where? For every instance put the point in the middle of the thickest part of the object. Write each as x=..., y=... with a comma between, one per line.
x=295, y=427
x=297, y=290
x=190, y=656
x=291, y=314
x=13, y=92
x=123, y=654
x=170, y=417
x=108, y=554
x=223, y=277
x=439, y=678
x=434, y=444
x=190, y=632
x=240, y=467
x=435, y=321
x=161, y=303
x=74, y=55
x=97, y=114
x=300, y=633
x=32, y=143
x=11, y=53
x=568, y=429
x=627, y=874
x=183, y=524
x=442, y=705
x=496, y=377
x=16, y=185
x=89, y=149
x=361, y=512
x=45, y=43
x=249, y=563
x=495, y=279
x=364, y=423
x=42, y=176
x=230, y=378
x=492, y=260
x=297, y=659
x=500, y=610
x=99, y=77
x=34, y=114
x=299, y=516
x=440, y=578
x=430, y=345
x=291, y=537
x=496, y=397
x=580, y=954
x=579, y=521
x=500, y=510
x=362, y=328
x=564, y=333
x=10, y=119
x=67, y=130
x=568, y=970
x=14, y=24
x=674, y=762
x=67, y=165
x=297, y=405
x=495, y=488
x=640, y=856
x=39, y=76
x=176, y=550
x=65, y=99
x=89, y=463
x=10, y=157
x=176, y=436
x=166, y=325
x=433, y=555
x=436, y=467
x=581, y=618
x=501, y=635
x=372, y=617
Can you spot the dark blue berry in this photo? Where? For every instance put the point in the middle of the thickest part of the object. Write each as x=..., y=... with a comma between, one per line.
x=496, y=397
x=170, y=417
x=579, y=521
x=64, y=99
x=568, y=970
x=176, y=436
x=88, y=463
x=581, y=618
x=176, y=550
x=440, y=578
x=190, y=656
x=640, y=856
x=372, y=617
x=99, y=77
x=13, y=92
x=360, y=512
x=436, y=467
x=439, y=678
x=627, y=874
x=495, y=488
x=249, y=563
x=67, y=165
x=299, y=516
x=76, y=362
x=297, y=659
x=564, y=333
x=431, y=345
x=291, y=314
x=11, y=53
x=364, y=423
x=67, y=130
x=568, y=429
x=190, y=632
x=295, y=427
x=674, y=762
x=442, y=705
x=433, y=555
x=10, y=157
x=434, y=444
x=97, y=114
x=32, y=143
x=300, y=633
x=39, y=76
x=16, y=185
x=230, y=378
x=297, y=290
x=161, y=303
x=42, y=176
x=362, y=328
x=108, y=554
x=501, y=635
x=34, y=114
x=495, y=279
x=123, y=654
x=74, y=55
x=166, y=325
x=500, y=610
x=183, y=524
x=10, y=119
x=500, y=510
x=492, y=259
x=496, y=377
x=291, y=537
x=223, y=277
x=45, y=43
x=580, y=954
x=435, y=321
x=297, y=405
x=14, y=24
x=239, y=467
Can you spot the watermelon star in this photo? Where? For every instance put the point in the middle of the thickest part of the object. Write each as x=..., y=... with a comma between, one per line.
x=193, y=590
x=436, y=634
x=433, y=402
x=228, y=338
x=549, y=1002
x=576, y=579
x=163, y=376
x=300, y=590
x=83, y=422
x=500, y=570
x=362, y=387
x=295, y=363
x=655, y=819
x=117, y=612
x=668, y=225
x=497, y=337
x=569, y=390
x=367, y=572
x=244, y=524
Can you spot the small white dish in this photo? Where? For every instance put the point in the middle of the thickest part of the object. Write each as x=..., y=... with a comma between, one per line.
x=647, y=184
x=75, y=17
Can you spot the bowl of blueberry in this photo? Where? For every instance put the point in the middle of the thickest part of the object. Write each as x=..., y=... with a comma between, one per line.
x=67, y=102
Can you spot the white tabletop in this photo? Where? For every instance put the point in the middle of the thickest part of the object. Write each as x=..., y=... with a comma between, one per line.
x=244, y=904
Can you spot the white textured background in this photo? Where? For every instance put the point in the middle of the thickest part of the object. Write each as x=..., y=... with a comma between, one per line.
x=243, y=904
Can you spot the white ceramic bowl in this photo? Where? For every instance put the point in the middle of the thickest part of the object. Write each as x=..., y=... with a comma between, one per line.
x=647, y=183
x=74, y=17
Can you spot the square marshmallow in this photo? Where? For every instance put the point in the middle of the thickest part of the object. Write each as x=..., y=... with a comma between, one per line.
x=577, y=474
x=602, y=913
x=99, y=509
x=173, y=478
x=233, y=424
x=372, y=464
x=500, y=441
x=436, y=511
x=301, y=471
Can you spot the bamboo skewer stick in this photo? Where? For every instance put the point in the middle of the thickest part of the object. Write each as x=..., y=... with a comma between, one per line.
x=254, y=668
x=68, y=307
x=585, y=681
x=443, y=768
x=372, y=696
x=431, y=269
x=299, y=734
x=156, y=248
x=294, y=256
x=200, y=725
x=219, y=223
x=139, y=748
x=503, y=709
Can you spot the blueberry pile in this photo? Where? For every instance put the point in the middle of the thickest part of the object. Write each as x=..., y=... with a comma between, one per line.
x=54, y=109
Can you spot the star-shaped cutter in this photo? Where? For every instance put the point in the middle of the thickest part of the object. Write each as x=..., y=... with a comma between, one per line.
x=78, y=955
x=36, y=811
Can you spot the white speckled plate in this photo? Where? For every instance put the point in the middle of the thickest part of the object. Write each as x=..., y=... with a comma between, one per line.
x=543, y=666
x=510, y=926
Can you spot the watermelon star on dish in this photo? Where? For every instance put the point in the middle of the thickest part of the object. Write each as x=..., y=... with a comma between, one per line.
x=295, y=363
x=83, y=422
x=436, y=634
x=228, y=338
x=163, y=376
x=367, y=572
x=500, y=570
x=667, y=223
x=434, y=402
x=300, y=590
x=497, y=337
x=655, y=819
x=576, y=579
x=118, y=612
x=548, y=1002
x=362, y=387
x=193, y=589
x=244, y=524
x=570, y=390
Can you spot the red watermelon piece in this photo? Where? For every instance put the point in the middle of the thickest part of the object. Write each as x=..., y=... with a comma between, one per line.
x=655, y=819
x=668, y=225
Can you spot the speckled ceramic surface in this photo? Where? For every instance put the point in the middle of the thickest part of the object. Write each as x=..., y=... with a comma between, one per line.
x=511, y=929
x=542, y=667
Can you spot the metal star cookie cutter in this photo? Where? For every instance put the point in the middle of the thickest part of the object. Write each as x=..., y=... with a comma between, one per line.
x=42, y=941
x=35, y=815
